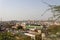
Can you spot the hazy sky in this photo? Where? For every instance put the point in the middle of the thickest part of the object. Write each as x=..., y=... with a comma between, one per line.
x=25, y=9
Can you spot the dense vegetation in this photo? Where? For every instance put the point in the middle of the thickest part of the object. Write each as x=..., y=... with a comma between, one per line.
x=10, y=36
x=54, y=28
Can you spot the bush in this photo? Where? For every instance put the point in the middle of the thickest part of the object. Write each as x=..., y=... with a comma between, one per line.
x=6, y=36
x=54, y=28
x=10, y=36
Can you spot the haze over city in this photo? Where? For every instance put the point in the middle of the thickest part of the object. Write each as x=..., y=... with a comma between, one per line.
x=25, y=9
x=29, y=19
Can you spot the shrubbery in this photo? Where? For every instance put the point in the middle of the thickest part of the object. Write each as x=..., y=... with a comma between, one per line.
x=54, y=29
x=10, y=36
x=6, y=36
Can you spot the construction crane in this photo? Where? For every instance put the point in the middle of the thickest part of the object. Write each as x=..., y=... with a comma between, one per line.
x=54, y=9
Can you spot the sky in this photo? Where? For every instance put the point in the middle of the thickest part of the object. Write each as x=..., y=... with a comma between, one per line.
x=25, y=9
